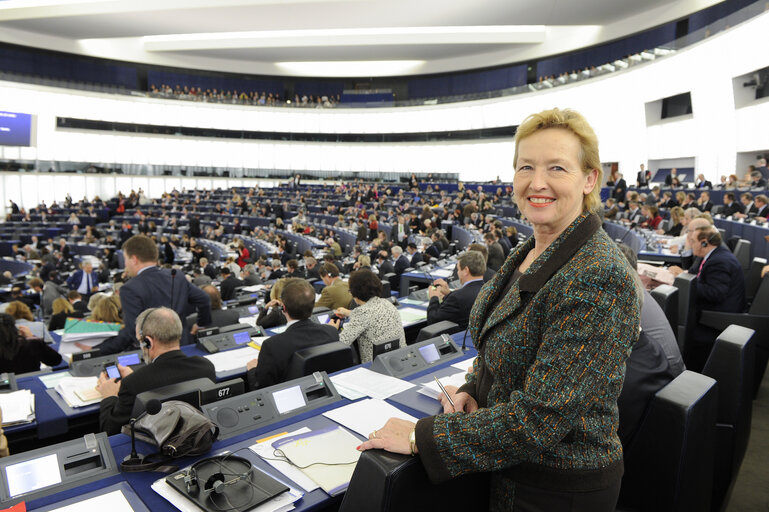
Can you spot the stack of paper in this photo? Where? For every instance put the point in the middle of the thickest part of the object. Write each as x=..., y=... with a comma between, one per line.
x=17, y=407
x=77, y=329
x=232, y=359
x=367, y=415
x=79, y=391
x=50, y=380
x=367, y=383
x=411, y=315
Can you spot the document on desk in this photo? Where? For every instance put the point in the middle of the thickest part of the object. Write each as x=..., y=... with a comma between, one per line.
x=265, y=450
x=366, y=416
x=464, y=364
x=412, y=315
x=114, y=501
x=79, y=391
x=232, y=359
x=18, y=407
x=50, y=380
x=430, y=388
x=373, y=384
x=441, y=272
x=253, y=288
x=328, y=456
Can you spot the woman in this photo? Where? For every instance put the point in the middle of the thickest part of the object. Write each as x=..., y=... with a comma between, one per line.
x=61, y=310
x=676, y=216
x=244, y=257
x=652, y=216
x=107, y=310
x=19, y=351
x=553, y=329
x=374, y=321
x=19, y=311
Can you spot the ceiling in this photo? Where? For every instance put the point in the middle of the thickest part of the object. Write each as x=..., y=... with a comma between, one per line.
x=273, y=37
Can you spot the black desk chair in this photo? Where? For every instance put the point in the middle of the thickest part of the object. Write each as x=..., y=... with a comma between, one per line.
x=753, y=278
x=731, y=364
x=757, y=318
x=687, y=296
x=329, y=357
x=436, y=329
x=667, y=298
x=741, y=251
x=389, y=482
x=669, y=465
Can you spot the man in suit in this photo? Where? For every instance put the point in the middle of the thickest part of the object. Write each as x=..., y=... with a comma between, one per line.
x=496, y=254
x=275, y=355
x=653, y=199
x=160, y=331
x=125, y=232
x=311, y=267
x=669, y=177
x=400, y=231
x=730, y=205
x=702, y=182
x=436, y=247
x=78, y=304
x=704, y=204
x=748, y=206
x=250, y=276
x=385, y=265
x=757, y=180
x=414, y=255
x=229, y=283
x=720, y=286
x=199, y=279
x=456, y=305
x=762, y=207
x=194, y=227
x=620, y=189
x=151, y=287
x=85, y=280
x=633, y=214
x=401, y=260
x=641, y=179
x=208, y=269
x=336, y=293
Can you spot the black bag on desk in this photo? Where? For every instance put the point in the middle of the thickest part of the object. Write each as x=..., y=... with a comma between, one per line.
x=178, y=430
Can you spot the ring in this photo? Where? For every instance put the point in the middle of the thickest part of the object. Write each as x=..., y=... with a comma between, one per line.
x=373, y=434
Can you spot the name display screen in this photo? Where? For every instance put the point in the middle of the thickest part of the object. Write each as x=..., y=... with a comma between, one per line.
x=323, y=319
x=429, y=353
x=15, y=129
x=32, y=475
x=241, y=337
x=128, y=360
x=253, y=309
x=287, y=400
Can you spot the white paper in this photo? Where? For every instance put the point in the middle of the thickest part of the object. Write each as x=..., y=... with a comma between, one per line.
x=430, y=388
x=441, y=272
x=266, y=452
x=348, y=393
x=114, y=501
x=371, y=383
x=50, y=380
x=258, y=340
x=17, y=406
x=367, y=415
x=67, y=388
x=411, y=315
x=232, y=359
x=253, y=288
x=279, y=329
x=464, y=364
x=284, y=501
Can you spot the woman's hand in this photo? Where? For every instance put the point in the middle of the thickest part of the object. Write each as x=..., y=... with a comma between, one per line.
x=463, y=402
x=342, y=312
x=393, y=437
x=274, y=303
x=24, y=331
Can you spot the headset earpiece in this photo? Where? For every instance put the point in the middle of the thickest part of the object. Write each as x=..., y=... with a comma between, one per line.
x=145, y=341
x=704, y=244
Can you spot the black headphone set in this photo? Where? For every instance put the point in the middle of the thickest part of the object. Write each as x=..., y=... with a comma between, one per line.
x=709, y=241
x=225, y=474
x=145, y=341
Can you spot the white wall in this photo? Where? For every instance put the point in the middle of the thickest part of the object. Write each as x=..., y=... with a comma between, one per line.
x=614, y=105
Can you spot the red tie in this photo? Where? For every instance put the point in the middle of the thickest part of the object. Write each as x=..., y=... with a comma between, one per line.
x=699, y=271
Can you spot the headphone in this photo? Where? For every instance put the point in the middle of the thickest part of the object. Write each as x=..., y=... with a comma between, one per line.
x=710, y=239
x=221, y=479
x=145, y=341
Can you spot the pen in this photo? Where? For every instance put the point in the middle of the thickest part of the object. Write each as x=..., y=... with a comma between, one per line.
x=445, y=393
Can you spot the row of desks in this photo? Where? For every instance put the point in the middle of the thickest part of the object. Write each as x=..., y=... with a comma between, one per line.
x=141, y=483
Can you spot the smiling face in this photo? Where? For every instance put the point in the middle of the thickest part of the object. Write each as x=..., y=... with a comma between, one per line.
x=549, y=183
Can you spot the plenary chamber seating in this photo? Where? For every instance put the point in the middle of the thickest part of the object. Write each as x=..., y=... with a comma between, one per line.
x=436, y=329
x=731, y=364
x=667, y=298
x=329, y=357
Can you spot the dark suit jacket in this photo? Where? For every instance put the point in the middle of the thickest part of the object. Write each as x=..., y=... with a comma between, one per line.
x=228, y=287
x=762, y=212
x=276, y=352
x=721, y=284
x=456, y=306
x=496, y=256
x=731, y=209
x=705, y=207
x=210, y=271
x=81, y=308
x=313, y=273
x=169, y=368
x=76, y=279
x=386, y=267
x=704, y=184
x=401, y=264
x=151, y=289
x=416, y=258
x=620, y=188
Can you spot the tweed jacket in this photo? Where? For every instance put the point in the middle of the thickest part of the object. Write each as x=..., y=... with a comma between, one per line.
x=551, y=365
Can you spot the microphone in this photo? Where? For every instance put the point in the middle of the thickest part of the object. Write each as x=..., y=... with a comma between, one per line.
x=134, y=459
x=153, y=407
x=464, y=340
x=173, y=276
x=629, y=230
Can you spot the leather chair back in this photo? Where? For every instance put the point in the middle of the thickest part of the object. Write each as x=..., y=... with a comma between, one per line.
x=667, y=298
x=753, y=278
x=687, y=293
x=436, y=329
x=742, y=251
x=329, y=357
x=389, y=482
x=731, y=364
x=669, y=465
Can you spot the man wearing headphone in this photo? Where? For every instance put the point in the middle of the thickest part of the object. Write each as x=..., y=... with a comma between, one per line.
x=159, y=331
x=720, y=286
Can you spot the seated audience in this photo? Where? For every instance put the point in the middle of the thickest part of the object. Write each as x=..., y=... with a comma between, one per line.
x=730, y=205
x=229, y=283
x=374, y=321
x=455, y=306
x=271, y=315
x=62, y=310
x=336, y=293
x=20, y=350
x=401, y=261
x=85, y=281
x=651, y=216
x=159, y=331
x=272, y=366
x=219, y=317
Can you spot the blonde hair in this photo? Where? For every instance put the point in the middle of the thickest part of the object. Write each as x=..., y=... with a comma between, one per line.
x=575, y=123
x=107, y=310
x=95, y=299
x=18, y=310
x=62, y=305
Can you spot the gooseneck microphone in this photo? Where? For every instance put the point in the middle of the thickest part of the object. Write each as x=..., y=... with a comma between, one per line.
x=153, y=407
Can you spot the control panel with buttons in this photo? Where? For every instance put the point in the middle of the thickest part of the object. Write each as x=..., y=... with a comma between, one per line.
x=414, y=358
